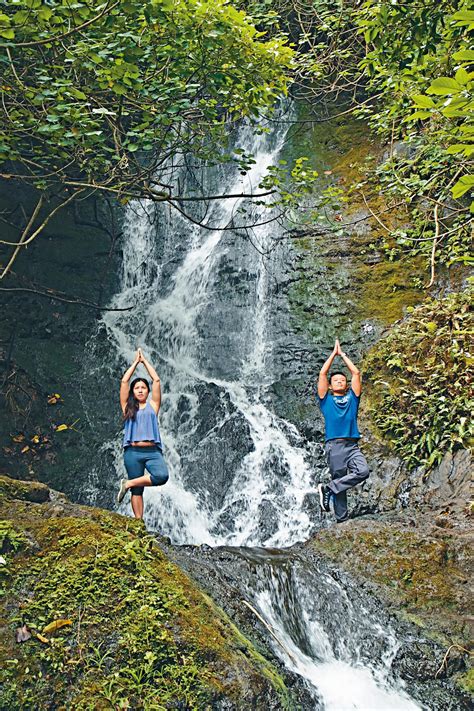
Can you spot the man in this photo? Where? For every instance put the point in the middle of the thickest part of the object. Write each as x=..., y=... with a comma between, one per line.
x=339, y=404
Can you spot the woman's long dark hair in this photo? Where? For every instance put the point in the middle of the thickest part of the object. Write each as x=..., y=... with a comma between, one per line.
x=131, y=408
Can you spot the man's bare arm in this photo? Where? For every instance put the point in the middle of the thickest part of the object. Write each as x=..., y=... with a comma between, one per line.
x=323, y=384
x=356, y=384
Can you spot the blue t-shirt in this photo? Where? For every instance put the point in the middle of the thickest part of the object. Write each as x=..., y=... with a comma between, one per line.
x=340, y=414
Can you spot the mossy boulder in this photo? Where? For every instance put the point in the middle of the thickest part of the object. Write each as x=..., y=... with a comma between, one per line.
x=32, y=491
x=132, y=630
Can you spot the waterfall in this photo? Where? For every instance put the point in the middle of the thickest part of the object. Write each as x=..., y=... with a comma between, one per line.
x=202, y=310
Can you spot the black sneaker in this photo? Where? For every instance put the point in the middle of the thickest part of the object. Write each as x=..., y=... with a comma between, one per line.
x=324, y=497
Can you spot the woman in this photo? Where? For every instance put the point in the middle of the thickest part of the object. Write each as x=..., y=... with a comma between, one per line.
x=141, y=435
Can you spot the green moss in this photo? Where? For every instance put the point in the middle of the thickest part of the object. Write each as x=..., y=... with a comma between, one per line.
x=466, y=681
x=141, y=635
x=24, y=490
x=342, y=271
x=415, y=570
x=387, y=288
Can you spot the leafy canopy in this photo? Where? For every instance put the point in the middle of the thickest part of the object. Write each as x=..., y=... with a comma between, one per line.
x=405, y=68
x=105, y=94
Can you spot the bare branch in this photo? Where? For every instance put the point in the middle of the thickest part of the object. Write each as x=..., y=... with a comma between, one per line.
x=24, y=235
x=49, y=295
x=23, y=242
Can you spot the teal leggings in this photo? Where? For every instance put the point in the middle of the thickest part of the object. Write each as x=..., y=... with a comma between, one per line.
x=137, y=459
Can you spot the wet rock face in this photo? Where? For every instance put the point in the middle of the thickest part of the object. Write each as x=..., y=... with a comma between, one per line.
x=421, y=661
x=444, y=489
x=420, y=571
x=75, y=257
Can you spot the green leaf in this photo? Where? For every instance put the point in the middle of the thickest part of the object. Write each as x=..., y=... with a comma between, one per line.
x=462, y=186
x=417, y=115
x=462, y=76
x=45, y=13
x=444, y=86
x=464, y=55
x=422, y=101
x=465, y=148
x=463, y=17
x=77, y=94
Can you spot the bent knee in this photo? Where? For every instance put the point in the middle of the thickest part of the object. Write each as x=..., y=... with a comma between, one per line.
x=160, y=478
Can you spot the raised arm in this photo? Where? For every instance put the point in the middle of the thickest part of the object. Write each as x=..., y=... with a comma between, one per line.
x=356, y=384
x=156, y=385
x=323, y=383
x=125, y=382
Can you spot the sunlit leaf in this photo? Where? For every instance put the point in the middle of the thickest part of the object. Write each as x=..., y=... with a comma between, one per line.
x=444, y=86
x=56, y=625
x=465, y=183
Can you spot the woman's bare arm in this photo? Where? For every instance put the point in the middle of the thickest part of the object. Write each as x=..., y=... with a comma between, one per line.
x=125, y=382
x=156, y=384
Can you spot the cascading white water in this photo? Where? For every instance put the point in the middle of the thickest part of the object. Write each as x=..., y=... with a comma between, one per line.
x=326, y=648
x=170, y=273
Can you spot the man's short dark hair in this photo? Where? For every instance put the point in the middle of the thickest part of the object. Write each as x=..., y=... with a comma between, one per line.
x=336, y=372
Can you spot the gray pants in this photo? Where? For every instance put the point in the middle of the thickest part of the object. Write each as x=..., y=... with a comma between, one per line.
x=348, y=468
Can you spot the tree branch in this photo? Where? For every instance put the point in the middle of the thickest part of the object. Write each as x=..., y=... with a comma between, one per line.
x=23, y=242
x=23, y=236
x=79, y=302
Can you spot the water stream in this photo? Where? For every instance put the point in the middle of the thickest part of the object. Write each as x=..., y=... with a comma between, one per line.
x=331, y=640
x=207, y=314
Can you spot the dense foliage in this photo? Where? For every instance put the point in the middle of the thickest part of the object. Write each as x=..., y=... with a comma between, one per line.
x=104, y=97
x=404, y=67
x=112, y=96
x=86, y=86
x=420, y=386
